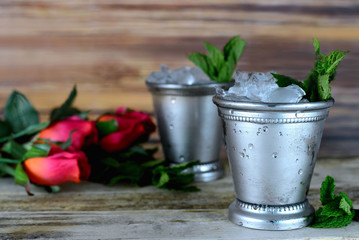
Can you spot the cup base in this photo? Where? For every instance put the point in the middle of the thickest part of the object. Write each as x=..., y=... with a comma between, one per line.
x=271, y=217
x=206, y=172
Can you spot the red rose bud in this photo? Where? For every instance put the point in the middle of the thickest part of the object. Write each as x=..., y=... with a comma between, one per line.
x=82, y=132
x=58, y=168
x=131, y=127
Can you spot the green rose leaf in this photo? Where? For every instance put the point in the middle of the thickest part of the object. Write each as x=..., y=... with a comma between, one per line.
x=19, y=112
x=15, y=149
x=28, y=131
x=5, y=129
x=65, y=109
x=37, y=150
x=21, y=177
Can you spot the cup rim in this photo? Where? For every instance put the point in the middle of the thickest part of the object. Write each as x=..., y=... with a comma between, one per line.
x=258, y=106
x=186, y=90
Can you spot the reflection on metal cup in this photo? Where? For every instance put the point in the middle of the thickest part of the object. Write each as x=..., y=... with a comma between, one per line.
x=272, y=149
x=189, y=126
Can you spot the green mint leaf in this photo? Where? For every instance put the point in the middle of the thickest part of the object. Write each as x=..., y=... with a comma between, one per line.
x=327, y=190
x=345, y=204
x=220, y=66
x=284, y=81
x=331, y=210
x=173, y=177
x=337, y=210
x=316, y=45
x=324, y=88
x=16, y=150
x=65, y=108
x=153, y=163
x=226, y=72
x=107, y=127
x=333, y=222
x=310, y=86
x=316, y=85
x=234, y=49
x=205, y=63
x=333, y=60
x=28, y=131
x=5, y=129
x=19, y=112
x=347, y=199
x=215, y=55
x=164, y=179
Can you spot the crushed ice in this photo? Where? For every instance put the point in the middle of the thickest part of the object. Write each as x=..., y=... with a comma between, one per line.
x=185, y=75
x=261, y=87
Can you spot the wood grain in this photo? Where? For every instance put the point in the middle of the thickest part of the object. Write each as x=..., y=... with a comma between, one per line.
x=109, y=47
x=93, y=211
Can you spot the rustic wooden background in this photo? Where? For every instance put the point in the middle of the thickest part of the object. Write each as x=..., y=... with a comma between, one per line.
x=109, y=47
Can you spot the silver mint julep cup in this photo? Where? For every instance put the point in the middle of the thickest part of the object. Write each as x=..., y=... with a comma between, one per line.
x=272, y=150
x=189, y=126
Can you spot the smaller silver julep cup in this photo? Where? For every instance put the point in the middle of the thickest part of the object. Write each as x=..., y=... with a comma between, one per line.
x=272, y=150
x=189, y=126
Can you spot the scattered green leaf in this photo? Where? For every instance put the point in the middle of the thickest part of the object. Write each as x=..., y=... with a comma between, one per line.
x=14, y=149
x=65, y=109
x=19, y=112
x=37, y=150
x=5, y=129
x=174, y=177
x=317, y=83
x=327, y=190
x=5, y=169
x=337, y=210
x=21, y=177
x=32, y=129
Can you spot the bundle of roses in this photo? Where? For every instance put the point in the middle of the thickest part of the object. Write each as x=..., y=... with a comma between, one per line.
x=71, y=148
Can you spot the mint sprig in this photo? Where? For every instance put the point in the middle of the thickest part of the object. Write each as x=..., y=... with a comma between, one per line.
x=337, y=210
x=317, y=83
x=174, y=177
x=219, y=65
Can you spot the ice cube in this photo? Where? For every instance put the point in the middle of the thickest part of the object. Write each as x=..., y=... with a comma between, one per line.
x=290, y=94
x=185, y=75
x=161, y=76
x=262, y=87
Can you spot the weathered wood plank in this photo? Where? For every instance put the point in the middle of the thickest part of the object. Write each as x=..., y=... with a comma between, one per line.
x=214, y=195
x=148, y=224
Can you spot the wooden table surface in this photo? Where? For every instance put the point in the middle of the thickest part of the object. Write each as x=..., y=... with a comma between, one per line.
x=109, y=47
x=93, y=211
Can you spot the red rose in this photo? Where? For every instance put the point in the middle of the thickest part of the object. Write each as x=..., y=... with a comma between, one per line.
x=132, y=126
x=58, y=168
x=83, y=132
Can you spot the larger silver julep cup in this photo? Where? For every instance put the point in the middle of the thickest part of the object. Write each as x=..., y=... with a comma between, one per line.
x=189, y=126
x=272, y=150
